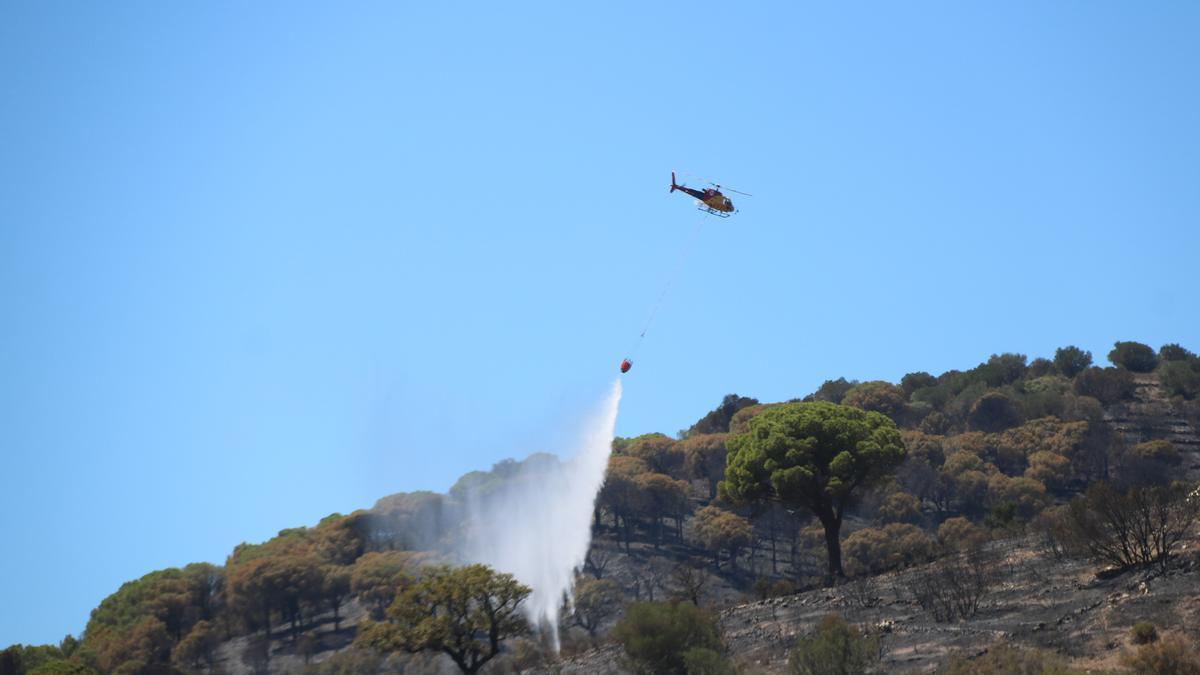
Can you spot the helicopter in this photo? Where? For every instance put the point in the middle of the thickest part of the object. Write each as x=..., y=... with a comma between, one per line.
x=711, y=199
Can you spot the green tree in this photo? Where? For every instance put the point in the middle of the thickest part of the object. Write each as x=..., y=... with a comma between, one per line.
x=918, y=380
x=335, y=587
x=1040, y=367
x=1071, y=360
x=463, y=612
x=281, y=583
x=877, y=396
x=596, y=601
x=661, y=453
x=999, y=370
x=662, y=497
x=62, y=667
x=719, y=530
x=375, y=577
x=704, y=458
x=139, y=624
x=717, y=421
x=340, y=540
x=620, y=495
x=1107, y=385
x=197, y=647
x=656, y=635
x=835, y=648
x=815, y=456
x=1174, y=352
x=994, y=412
x=11, y=662
x=831, y=390
x=1133, y=356
x=1181, y=378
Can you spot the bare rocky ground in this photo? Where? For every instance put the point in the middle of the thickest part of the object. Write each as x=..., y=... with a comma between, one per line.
x=1037, y=602
x=1070, y=607
x=1152, y=415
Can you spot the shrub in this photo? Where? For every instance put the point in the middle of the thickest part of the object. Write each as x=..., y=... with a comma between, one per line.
x=1070, y=361
x=348, y=662
x=993, y=412
x=1181, y=378
x=1143, y=632
x=1150, y=463
x=862, y=591
x=1172, y=655
x=877, y=549
x=918, y=380
x=924, y=446
x=831, y=390
x=596, y=600
x=1133, y=528
x=717, y=421
x=1174, y=352
x=1049, y=468
x=900, y=507
x=937, y=396
x=661, y=453
x=1055, y=535
x=1006, y=660
x=1025, y=496
x=782, y=587
x=1000, y=369
x=934, y=423
x=1039, y=368
x=960, y=534
x=740, y=422
x=719, y=530
x=1133, y=356
x=1107, y=385
x=834, y=648
x=877, y=396
x=704, y=661
x=953, y=587
x=656, y=635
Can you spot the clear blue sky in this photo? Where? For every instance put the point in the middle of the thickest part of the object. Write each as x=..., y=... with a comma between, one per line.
x=263, y=263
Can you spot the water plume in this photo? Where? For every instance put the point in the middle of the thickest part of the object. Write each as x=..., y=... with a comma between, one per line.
x=536, y=523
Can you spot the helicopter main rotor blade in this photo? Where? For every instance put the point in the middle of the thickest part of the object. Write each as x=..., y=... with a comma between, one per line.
x=716, y=185
x=719, y=187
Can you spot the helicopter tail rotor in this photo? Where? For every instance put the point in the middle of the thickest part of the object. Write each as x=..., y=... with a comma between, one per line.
x=673, y=185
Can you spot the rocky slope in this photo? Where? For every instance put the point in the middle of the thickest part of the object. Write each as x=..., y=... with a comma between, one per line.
x=1037, y=602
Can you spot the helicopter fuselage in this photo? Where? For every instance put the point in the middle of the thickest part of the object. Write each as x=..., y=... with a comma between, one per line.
x=711, y=198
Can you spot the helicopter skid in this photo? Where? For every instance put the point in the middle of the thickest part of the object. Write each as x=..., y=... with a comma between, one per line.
x=712, y=211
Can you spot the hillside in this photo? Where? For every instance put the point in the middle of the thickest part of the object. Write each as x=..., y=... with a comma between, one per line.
x=991, y=456
x=1038, y=602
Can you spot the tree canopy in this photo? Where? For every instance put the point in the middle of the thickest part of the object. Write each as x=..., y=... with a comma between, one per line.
x=812, y=455
x=463, y=612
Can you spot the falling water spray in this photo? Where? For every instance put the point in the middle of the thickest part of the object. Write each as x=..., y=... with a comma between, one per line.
x=538, y=527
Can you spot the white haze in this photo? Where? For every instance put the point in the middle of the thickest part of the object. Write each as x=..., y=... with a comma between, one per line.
x=537, y=527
